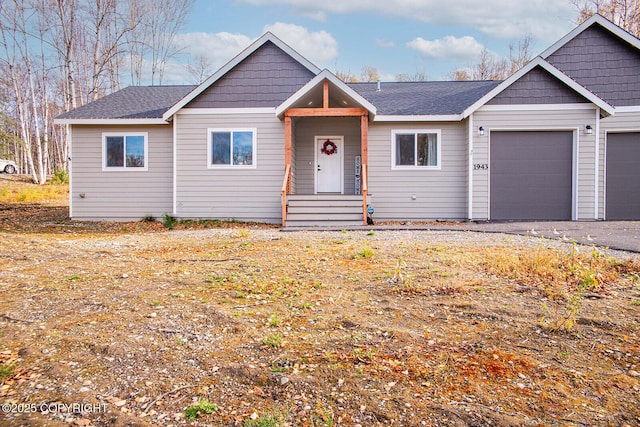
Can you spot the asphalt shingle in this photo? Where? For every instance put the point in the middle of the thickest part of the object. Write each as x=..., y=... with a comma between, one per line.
x=133, y=102
x=394, y=98
x=424, y=98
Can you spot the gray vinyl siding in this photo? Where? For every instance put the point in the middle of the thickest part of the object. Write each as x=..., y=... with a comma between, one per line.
x=232, y=193
x=264, y=79
x=305, y=132
x=537, y=87
x=538, y=120
x=120, y=195
x=467, y=172
x=621, y=122
x=602, y=63
x=439, y=194
x=480, y=182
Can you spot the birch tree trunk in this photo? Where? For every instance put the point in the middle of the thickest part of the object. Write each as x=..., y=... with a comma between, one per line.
x=14, y=39
x=83, y=50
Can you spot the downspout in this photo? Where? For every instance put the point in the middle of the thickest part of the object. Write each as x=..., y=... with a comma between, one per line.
x=69, y=154
x=470, y=171
x=175, y=164
x=597, y=176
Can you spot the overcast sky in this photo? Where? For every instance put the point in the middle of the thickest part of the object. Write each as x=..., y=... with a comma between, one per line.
x=395, y=36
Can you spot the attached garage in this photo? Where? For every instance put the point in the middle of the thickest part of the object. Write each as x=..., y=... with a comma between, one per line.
x=623, y=176
x=531, y=175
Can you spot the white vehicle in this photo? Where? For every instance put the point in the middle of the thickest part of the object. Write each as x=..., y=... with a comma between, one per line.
x=8, y=166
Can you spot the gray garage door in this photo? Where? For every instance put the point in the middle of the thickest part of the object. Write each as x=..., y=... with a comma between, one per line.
x=531, y=175
x=623, y=176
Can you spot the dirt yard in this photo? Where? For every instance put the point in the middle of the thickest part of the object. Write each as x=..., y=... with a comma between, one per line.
x=133, y=325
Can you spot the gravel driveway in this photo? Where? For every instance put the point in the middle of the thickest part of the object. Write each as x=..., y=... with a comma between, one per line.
x=617, y=235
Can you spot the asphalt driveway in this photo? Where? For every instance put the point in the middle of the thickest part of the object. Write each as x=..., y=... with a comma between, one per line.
x=620, y=235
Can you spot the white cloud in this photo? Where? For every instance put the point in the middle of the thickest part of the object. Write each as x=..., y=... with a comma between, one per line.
x=319, y=47
x=546, y=20
x=449, y=47
x=314, y=9
x=385, y=44
x=212, y=49
x=316, y=15
x=217, y=48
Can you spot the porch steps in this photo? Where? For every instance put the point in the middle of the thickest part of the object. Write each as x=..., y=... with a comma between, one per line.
x=324, y=210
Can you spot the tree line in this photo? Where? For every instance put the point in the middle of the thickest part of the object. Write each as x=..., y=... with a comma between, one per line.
x=56, y=55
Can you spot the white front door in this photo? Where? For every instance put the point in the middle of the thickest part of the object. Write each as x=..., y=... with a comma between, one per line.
x=329, y=160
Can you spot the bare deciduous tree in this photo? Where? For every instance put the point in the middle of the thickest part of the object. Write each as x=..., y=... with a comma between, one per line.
x=624, y=13
x=200, y=69
x=13, y=27
x=164, y=19
x=492, y=67
x=418, y=76
x=520, y=55
x=58, y=54
x=347, y=76
x=369, y=74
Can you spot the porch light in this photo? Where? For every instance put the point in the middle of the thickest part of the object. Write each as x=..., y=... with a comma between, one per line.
x=481, y=131
x=588, y=129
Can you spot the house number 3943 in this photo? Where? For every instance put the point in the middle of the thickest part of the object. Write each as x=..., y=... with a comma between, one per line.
x=478, y=166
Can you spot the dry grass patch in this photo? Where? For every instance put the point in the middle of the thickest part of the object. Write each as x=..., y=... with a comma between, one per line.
x=255, y=327
x=18, y=190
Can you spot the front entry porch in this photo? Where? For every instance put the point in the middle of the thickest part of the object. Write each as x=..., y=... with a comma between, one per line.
x=326, y=157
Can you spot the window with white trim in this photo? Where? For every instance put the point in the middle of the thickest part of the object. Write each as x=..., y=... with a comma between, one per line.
x=124, y=151
x=415, y=149
x=231, y=148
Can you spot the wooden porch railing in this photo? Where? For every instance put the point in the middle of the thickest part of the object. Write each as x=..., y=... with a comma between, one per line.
x=365, y=189
x=285, y=190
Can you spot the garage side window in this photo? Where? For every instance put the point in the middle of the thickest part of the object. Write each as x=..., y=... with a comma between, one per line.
x=415, y=149
x=231, y=148
x=122, y=151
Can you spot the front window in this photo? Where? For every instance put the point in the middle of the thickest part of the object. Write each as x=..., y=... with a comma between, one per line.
x=124, y=151
x=416, y=149
x=232, y=148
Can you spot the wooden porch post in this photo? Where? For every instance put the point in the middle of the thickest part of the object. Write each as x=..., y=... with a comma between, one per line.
x=325, y=94
x=364, y=138
x=288, y=138
x=286, y=185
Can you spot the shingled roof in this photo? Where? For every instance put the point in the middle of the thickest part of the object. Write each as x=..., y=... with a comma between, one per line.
x=133, y=102
x=394, y=98
x=424, y=98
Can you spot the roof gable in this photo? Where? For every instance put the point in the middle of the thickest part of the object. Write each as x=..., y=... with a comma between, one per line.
x=539, y=62
x=538, y=86
x=255, y=46
x=595, y=19
x=603, y=62
x=264, y=79
x=340, y=94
